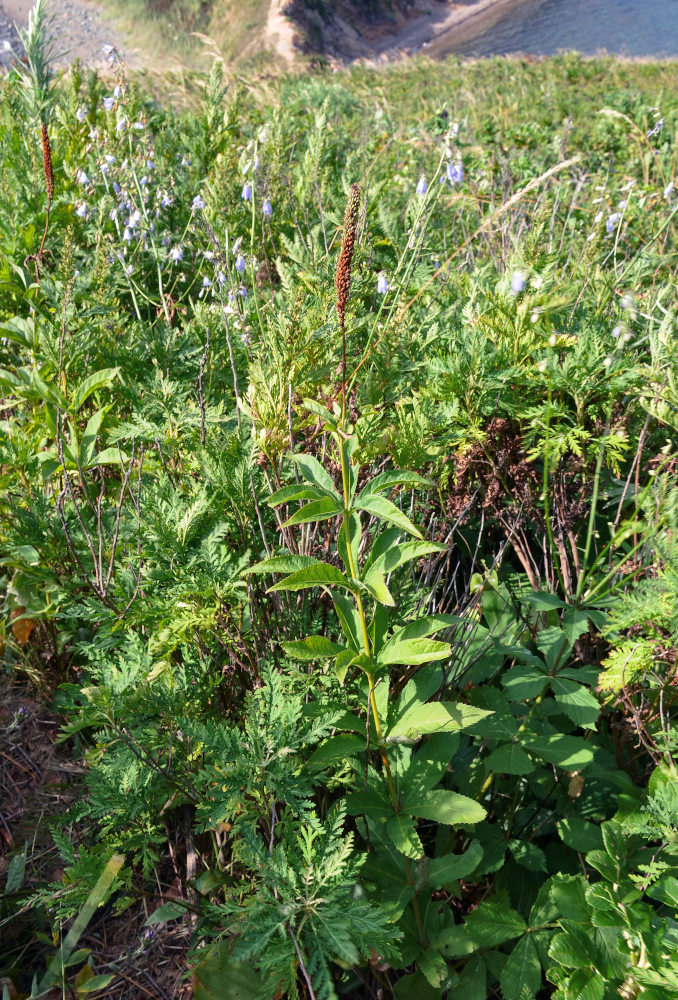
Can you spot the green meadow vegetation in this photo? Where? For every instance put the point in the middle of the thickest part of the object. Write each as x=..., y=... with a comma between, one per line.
x=338, y=530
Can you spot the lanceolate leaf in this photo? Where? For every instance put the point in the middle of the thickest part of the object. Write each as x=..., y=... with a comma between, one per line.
x=376, y=588
x=451, y=867
x=435, y=717
x=313, y=472
x=442, y=806
x=398, y=477
x=312, y=648
x=316, y=510
x=321, y=574
x=296, y=491
x=387, y=511
x=398, y=555
x=284, y=564
x=413, y=651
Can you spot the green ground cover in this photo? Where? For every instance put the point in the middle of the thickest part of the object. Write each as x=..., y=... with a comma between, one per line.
x=367, y=646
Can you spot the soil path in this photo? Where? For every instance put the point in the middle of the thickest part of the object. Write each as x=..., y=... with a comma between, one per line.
x=80, y=30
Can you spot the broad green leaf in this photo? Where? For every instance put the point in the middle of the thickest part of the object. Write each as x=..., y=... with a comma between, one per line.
x=349, y=620
x=218, y=976
x=573, y=948
x=521, y=976
x=424, y=684
x=398, y=555
x=522, y=682
x=492, y=924
x=376, y=588
x=434, y=717
x=368, y=803
x=315, y=510
x=383, y=543
x=355, y=536
x=97, y=380
x=312, y=648
x=89, y=436
x=473, y=980
x=569, y=752
x=342, y=664
x=541, y=600
x=585, y=984
x=577, y=702
x=420, y=628
x=296, y=491
x=665, y=890
x=168, y=911
x=319, y=575
x=442, y=806
x=412, y=651
x=387, y=511
x=337, y=748
x=95, y=983
x=429, y=764
x=451, y=867
x=314, y=473
x=284, y=564
x=528, y=855
x=555, y=646
x=510, y=759
x=578, y=834
x=434, y=967
x=109, y=456
x=568, y=896
x=16, y=871
x=402, y=831
x=387, y=480
x=454, y=941
x=415, y=987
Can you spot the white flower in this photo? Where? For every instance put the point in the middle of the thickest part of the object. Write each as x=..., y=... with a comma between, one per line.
x=382, y=284
x=176, y=254
x=82, y=177
x=81, y=210
x=668, y=190
x=518, y=282
x=108, y=103
x=422, y=186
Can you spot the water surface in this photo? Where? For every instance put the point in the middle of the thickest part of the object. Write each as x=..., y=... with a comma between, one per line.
x=543, y=27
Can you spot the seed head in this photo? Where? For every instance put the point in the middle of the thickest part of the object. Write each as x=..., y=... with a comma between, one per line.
x=47, y=163
x=345, y=264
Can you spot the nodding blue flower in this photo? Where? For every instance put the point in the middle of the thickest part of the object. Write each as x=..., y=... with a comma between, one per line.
x=382, y=284
x=255, y=165
x=150, y=164
x=82, y=177
x=113, y=214
x=138, y=125
x=422, y=186
x=656, y=128
x=205, y=285
x=267, y=209
x=109, y=158
x=612, y=221
x=668, y=190
x=121, y=124
x=240, y=264
x=108, y=50
x=165, y=201
x=247, y=192
x=134, y=219
x=455, y=172
x=117, y=91
x=221, y=278
x=81, y=114
x=518, y=282
x=176, y=254
x=198, y=202
x=104, y=168
x=127, y=235
x=144, y=181
x=108, y=103
x=242, y=291
x=116, y=187
x=81, y=210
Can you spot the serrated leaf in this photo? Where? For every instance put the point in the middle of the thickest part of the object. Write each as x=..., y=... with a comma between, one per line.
x=412, y=651
x=312, y=648
x=578, y=834
x=341, y=747
x=435, y=717
x=296, y=491
x=385, y=510
x=397, y=477
x=314, y=473
x=376, y=588
x=528, y=855
x=401, y=829
x=319, y=575
x=451, y=867
x=568, y=752
x=321, y=411
x=492, y=924
x=315, y=510
x=284, y=564
x=521, y=976
x=510, y=759
x=578, y=703
x=522, y=682
x=420, y=628
x=443, y=806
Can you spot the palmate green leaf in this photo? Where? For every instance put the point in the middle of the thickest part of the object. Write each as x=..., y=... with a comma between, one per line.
x=315, y=510
x=386, y=511
x=319, y=575
x=451, y=867
x=413, y=652
x=435, y=717
x=521, y=976
x=314, y=473
x=296, y=491
x=387, y=480
x=314, y=647
x=442, y=806
x=284, y=564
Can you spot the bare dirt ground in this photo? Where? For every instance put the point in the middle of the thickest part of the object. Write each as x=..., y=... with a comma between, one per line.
x=80, y=30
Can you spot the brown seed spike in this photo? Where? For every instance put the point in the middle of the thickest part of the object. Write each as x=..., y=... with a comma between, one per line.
x=47, y=163
x=345, y=264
